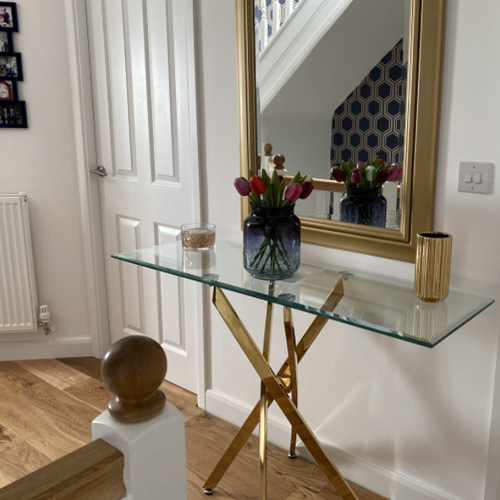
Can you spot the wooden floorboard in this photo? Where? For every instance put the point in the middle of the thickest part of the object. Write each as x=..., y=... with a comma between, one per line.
x=88, y=366
x=46, y=410
x=21, y=460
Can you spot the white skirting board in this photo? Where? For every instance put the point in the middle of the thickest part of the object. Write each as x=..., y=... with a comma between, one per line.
x=388, y=483
x=46, y=348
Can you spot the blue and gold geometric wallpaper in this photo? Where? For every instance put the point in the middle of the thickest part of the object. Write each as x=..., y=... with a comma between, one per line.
x=371, y=121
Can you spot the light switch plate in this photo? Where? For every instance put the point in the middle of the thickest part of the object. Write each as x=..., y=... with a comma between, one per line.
x=471, y=173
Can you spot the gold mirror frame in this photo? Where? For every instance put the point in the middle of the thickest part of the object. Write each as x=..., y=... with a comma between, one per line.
x=426, y=42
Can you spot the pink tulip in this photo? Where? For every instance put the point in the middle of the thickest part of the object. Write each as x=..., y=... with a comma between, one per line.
x=393, y=174
x=338, y=174
x=400, y=173
x=307, y=188
x=356, y=176
x=257, y=185
x=242, y=186
x=293, y=191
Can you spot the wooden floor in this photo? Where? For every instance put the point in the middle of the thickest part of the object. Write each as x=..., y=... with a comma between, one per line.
x=47, y=406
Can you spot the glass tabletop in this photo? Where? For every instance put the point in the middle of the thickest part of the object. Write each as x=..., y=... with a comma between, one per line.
x=385, y=306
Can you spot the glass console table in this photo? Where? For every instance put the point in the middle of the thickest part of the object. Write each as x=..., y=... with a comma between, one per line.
x=384, y=306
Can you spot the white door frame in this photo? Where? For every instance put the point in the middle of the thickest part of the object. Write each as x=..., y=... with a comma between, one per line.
x=85, y=143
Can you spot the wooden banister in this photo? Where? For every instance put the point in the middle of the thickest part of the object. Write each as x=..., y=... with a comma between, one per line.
x=92, y=472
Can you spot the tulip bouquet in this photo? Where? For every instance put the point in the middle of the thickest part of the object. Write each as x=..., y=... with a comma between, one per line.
x=371, y=174
x=271, y=233
x=272, y=191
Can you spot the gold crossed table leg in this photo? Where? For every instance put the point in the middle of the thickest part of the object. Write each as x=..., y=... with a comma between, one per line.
x=276, y=389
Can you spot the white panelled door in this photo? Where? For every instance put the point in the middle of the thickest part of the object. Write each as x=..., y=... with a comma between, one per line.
x=142, y=58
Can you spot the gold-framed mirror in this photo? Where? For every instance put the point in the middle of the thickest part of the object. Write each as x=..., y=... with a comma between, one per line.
x=424, y=38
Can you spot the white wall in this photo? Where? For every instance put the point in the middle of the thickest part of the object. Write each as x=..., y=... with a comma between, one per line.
x=411, y=423
x=40, y=161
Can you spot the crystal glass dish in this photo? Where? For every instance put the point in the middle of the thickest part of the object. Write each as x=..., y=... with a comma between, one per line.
x=198, y=236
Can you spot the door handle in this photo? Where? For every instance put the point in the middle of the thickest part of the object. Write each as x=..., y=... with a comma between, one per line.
x=100, y=171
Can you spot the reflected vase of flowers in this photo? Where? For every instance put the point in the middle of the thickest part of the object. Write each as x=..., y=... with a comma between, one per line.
x=364, y=206
x=363, y=202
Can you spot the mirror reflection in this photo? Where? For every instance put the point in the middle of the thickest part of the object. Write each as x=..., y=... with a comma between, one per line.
x=331, y=84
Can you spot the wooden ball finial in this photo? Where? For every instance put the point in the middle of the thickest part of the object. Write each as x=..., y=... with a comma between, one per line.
x=268, y=149
x=279, y=161
x=133, y=370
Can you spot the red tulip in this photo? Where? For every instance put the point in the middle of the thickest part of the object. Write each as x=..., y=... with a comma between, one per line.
x=338, y=174
x=242, y=186
x=293, y=191
x=356, y=176
x=380, y=162
x=382, y=176
x=257, y=185
x=307, y=188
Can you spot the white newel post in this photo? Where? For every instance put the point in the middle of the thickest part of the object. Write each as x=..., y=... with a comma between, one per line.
x=146, y=429
x=390, y=192
x=154, y=451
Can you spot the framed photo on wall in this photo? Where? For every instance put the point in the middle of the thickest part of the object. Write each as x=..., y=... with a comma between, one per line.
x=8, y=90
x=11, y=67
x=8, y=16
x=5, y=42
x=13, y=114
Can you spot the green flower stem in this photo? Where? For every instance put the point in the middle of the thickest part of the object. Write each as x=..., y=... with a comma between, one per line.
x=268, y=250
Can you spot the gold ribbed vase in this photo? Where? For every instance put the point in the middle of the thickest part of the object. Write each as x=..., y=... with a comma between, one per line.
x=432, y=266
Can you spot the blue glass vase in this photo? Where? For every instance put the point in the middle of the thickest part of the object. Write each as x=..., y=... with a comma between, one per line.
x=364, y=206
x=271, y=242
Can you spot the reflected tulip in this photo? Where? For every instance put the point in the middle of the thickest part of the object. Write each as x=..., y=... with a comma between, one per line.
x=257, y=185
x=393, y=174
x=242, y=186
x=338, y=174
x=400, y=173
x=307, y=188
x=293, y=191
x=371, y=173
x=382, y=175
x=356, y=176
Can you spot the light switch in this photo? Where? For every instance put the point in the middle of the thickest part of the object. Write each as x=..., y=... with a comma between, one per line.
x=475, y=177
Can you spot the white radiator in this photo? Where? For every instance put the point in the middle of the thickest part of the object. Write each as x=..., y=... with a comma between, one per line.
x=18, y=300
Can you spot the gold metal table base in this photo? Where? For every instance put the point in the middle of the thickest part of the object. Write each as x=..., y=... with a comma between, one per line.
x=280, y=387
